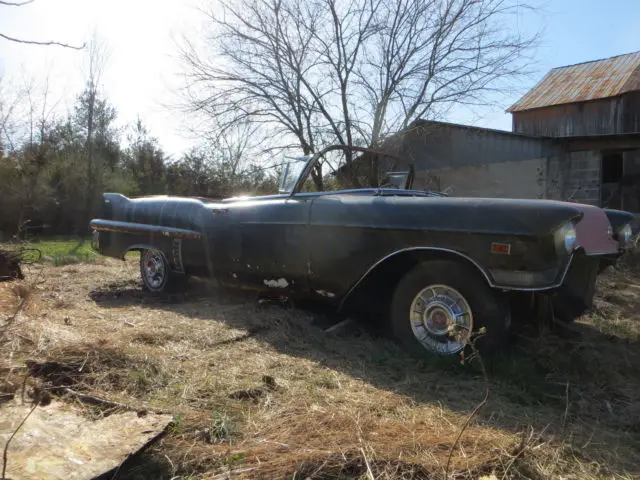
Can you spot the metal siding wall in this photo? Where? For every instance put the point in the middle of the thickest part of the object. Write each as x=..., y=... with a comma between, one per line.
x=570, y=177
x=614, y=115
x=454, y=147
x=518, y=179
x=631, y=112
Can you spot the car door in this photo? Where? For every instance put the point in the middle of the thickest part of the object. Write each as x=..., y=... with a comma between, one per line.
x=265, y=243
x=343, y=243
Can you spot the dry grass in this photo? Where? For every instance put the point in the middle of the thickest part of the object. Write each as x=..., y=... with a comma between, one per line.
x=261, y=392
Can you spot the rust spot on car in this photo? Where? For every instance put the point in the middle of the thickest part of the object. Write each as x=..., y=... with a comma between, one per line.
x=324, y=293
x=279, y=283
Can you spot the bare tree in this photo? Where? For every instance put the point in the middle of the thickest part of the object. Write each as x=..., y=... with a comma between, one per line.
x=26, y=121
x=4, y=3
x=350, y=72
x=91, y=113
x=262, y=81
x=9, y=103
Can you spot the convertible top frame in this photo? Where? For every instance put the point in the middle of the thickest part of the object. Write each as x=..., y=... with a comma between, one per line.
x=304, y=175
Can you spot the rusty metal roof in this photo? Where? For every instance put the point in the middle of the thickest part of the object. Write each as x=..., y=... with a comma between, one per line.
x=582, y=82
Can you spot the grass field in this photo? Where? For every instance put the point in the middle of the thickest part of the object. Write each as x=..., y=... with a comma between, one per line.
x=262, y=391
x=64, y=250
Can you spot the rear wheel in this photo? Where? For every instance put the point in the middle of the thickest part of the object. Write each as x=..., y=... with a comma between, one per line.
x=439, y=305
x=156, y=272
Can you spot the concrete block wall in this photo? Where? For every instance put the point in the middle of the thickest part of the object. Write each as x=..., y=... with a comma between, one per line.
x=574, y=177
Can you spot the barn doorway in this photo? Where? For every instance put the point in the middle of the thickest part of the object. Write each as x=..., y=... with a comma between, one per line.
x=611, y=180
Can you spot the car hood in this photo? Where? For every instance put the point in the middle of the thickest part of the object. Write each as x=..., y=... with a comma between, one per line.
x=495, y=216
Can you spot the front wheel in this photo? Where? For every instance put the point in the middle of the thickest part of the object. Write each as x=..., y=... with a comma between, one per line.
x=439, y=305
x=156, y=272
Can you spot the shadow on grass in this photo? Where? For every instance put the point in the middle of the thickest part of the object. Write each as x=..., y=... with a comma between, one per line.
x=143, y=466
x=584, y=384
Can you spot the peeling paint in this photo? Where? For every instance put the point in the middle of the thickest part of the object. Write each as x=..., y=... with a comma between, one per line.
x=324, y=293
x=280, y=283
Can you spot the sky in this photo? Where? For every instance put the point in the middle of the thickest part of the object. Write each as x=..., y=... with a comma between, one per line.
x=142, y=74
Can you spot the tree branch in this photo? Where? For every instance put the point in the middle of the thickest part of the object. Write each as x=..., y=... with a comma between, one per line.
x=330, y=72
x=16, y=4
x=33, y=42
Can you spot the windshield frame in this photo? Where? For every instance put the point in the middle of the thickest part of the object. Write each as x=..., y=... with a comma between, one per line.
x=285, y=179
x=315, y=158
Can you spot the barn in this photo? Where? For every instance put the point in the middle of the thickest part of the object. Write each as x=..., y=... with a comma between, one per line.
x=575, y=136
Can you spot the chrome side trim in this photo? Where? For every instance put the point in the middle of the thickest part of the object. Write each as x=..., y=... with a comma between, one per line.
x=485, y=274
x=130, y=227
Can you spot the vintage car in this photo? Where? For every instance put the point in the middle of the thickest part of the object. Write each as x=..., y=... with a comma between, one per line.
x=438, y=268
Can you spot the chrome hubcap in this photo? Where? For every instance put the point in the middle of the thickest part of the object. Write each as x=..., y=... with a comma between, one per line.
x=154, y=269
x=441, y=319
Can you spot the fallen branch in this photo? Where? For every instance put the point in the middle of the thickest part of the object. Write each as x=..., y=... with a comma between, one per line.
x=12, y=318
x=91, y=400
x=518, y=452
x=6, y=446
x=475, y=355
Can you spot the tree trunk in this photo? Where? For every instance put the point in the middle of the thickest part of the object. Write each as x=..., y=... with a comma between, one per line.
x=90, y=170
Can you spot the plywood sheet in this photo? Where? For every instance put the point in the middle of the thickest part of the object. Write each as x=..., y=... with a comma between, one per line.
x=59, y=442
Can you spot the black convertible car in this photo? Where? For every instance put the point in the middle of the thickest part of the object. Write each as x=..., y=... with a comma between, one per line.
x=437, y=267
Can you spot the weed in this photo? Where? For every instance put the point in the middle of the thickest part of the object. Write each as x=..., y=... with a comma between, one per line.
x=221, y=428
